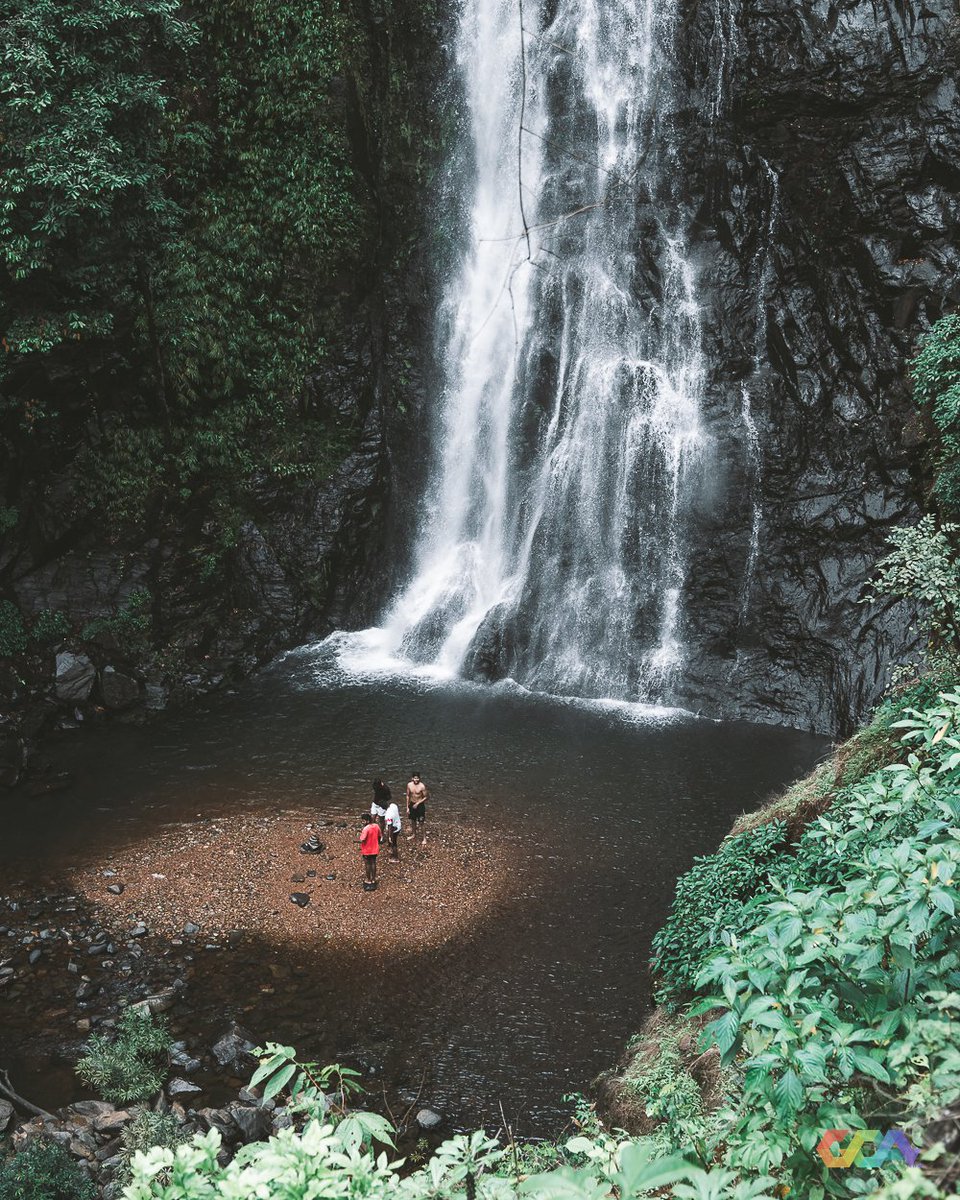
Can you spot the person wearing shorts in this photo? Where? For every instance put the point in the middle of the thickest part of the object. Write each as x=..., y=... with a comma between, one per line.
x=369, y=846
x=417, y=796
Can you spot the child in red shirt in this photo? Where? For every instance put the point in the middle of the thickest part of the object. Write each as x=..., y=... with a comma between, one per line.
x=370, y=846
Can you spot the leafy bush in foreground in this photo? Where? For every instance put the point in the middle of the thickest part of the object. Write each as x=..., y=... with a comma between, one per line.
x=840, y=1007
x=146, y=1130
x=131, y=1065
x=709, y=901
x=44, y=1171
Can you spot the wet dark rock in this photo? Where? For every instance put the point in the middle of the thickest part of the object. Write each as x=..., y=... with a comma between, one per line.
x=182, y=1058
x=234, y=1048
x=139, y=930
x=221, y=1120
x=115, y=889
x=312, y=845
x=301, y=899
x=281, y=1118
x=182, y=1087
x=75, y=676
x=826, y=205
x=117, y=689
x=254, y=1124
x=35, y=956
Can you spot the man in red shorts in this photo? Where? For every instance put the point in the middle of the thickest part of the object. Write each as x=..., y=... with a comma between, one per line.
x=370, y=846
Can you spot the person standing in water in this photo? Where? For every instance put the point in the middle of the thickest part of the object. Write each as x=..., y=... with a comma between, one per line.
x=417, y=796
x=369, y=846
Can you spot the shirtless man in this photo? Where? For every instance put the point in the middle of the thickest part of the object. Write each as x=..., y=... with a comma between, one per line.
x=417, y=796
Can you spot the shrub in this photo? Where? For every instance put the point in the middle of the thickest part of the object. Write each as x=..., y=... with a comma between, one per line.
x=923, y=568
x=671, y=1096
x=13, y=636
x=148, y=1129
x=44, y=1171
x=131, y=1065
x=710, y=902
x=129, y=628
x=49, y=626
x=839, y=1006
x=936, y=389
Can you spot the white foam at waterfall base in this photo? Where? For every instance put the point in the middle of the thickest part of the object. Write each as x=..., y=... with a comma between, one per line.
x=364, y=656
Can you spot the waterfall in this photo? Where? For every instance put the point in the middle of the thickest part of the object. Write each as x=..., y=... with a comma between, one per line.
x=568, y=447
x=763, y=269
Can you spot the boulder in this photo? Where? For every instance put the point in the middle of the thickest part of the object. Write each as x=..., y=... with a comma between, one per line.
x=118, y=690
x=6, y=1114
x=427, y=1119
x=255, y=1124
x=221, y=1120
x=233, y=1048
x=75, y=677
x=182, y=1087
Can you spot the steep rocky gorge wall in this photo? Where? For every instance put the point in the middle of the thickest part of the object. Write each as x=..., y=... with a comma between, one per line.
x=216, y=572
x=825, y=191
x=827, y=200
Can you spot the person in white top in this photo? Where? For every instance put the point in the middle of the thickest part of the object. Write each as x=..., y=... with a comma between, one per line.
x=391, y=818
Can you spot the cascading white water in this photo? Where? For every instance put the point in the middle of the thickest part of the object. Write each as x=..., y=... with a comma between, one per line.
x=569, y=444
x=764, y=275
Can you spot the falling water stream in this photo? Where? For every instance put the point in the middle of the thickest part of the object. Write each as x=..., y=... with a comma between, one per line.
x=569, y=442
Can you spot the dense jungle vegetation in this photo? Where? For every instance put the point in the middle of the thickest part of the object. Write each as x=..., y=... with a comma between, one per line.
x=197, y=203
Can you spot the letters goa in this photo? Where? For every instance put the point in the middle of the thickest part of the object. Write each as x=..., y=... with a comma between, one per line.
x=894, y=1142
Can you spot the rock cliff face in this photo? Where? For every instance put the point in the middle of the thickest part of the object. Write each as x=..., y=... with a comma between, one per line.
x=827, y=199
x=825, y=188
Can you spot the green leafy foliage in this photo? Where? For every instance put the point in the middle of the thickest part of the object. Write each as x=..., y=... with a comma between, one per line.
x=196, y=203
x=147, y=1129
x=131, y=1065
x=44, y=1171
x=129, y=628
x=13, y=636
x=709, y=905
x=672, y=1097
x=325, y=1160
x=839, y=1006
x=83, y=161
x=49, y=626
x=936, y=387
x=924, y=568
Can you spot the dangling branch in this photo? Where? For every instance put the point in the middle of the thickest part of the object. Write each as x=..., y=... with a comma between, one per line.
x=545, y=41
x=516, y=237
x=523, y=111
x=7, y=1090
